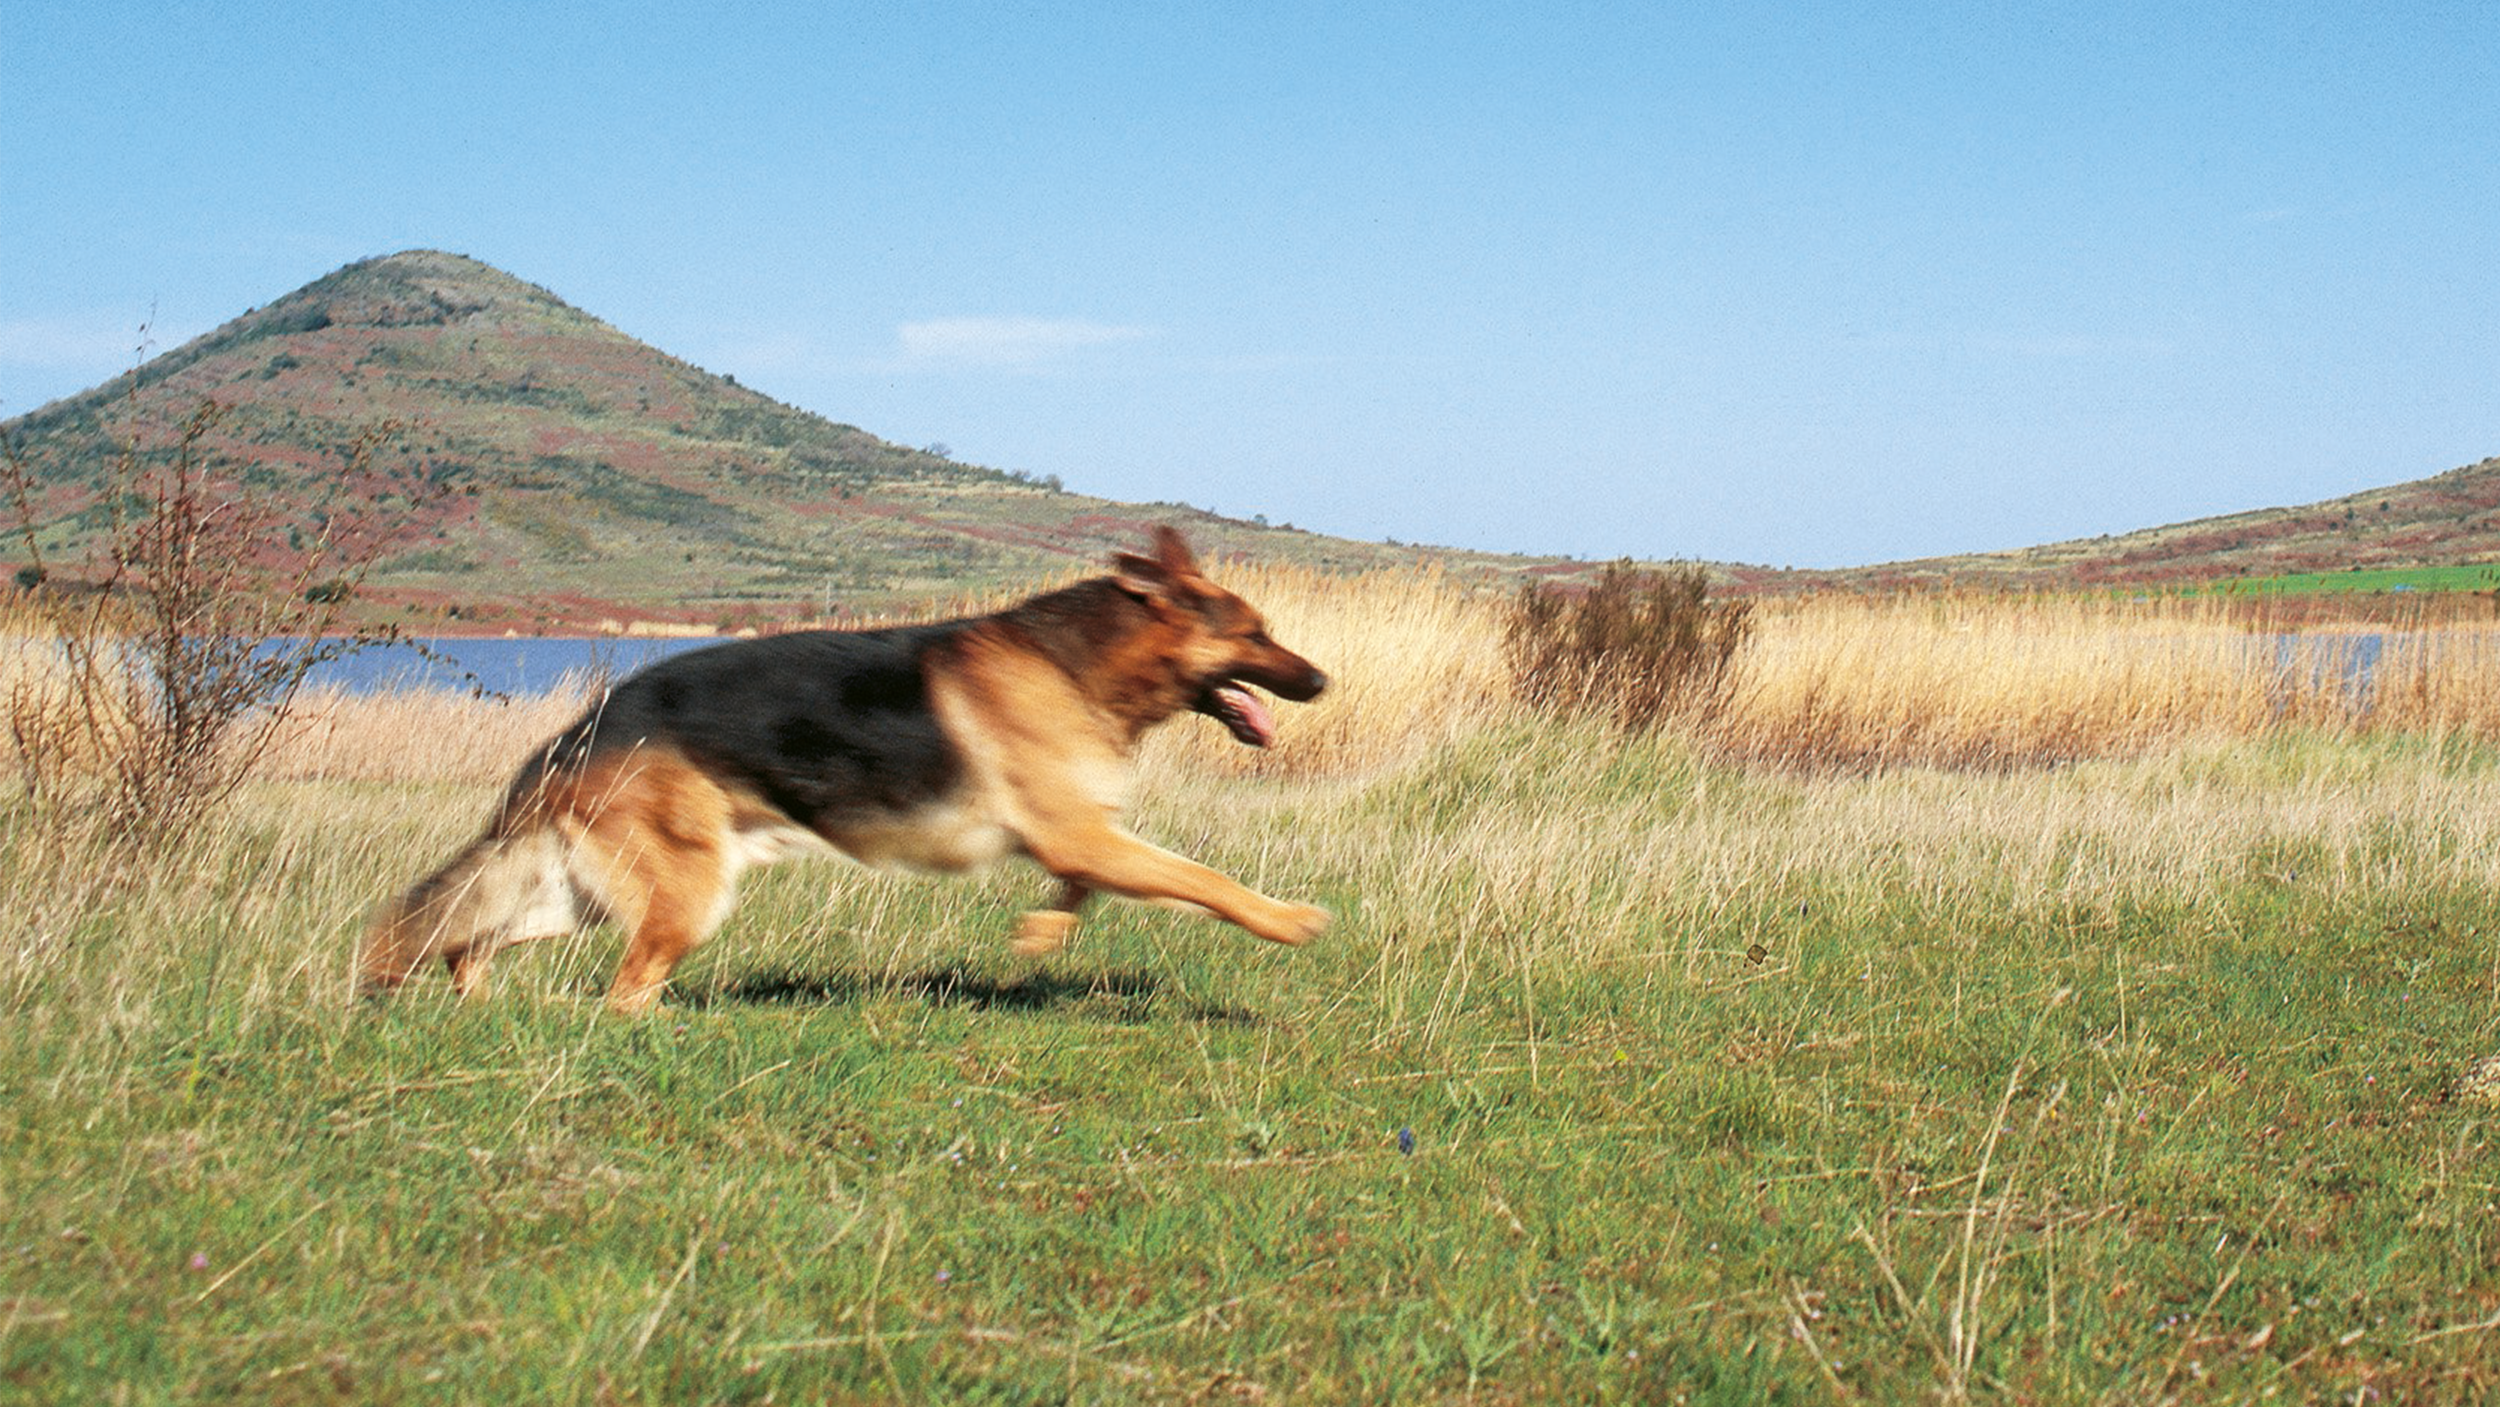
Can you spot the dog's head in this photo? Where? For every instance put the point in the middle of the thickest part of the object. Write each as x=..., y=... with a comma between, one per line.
x=1222, y=643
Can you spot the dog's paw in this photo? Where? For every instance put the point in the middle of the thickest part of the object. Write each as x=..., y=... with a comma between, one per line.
x=1041, y=932
x=634, y=1002
x=1297, y=924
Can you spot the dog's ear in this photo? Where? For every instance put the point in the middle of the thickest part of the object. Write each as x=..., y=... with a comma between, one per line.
x=1172, y=550
x=1156, y=577
x=1141, y=577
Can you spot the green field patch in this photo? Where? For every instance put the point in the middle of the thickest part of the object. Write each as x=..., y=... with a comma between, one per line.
x=2478, y=577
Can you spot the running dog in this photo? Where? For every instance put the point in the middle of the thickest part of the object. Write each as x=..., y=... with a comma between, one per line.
x=940, y=747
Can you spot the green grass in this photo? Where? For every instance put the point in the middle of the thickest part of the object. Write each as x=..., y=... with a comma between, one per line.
x=2474, y=577
x=1786, y=1122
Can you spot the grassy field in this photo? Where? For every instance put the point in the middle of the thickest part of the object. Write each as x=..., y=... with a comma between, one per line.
x=2024, y=1002
x=2470, y=577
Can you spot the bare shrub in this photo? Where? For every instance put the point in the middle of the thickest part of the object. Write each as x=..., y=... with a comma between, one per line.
x=152, y=675
x=1640, y=647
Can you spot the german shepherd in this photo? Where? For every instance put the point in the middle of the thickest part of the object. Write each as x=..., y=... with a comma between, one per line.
x=941, y=747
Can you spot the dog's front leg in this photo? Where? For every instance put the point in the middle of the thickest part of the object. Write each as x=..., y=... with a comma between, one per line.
x=1102, y=856
x=1041, y=932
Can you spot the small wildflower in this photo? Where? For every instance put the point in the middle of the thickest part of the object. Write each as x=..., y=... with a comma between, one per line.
x=199, y=1260
x=1406, y=1141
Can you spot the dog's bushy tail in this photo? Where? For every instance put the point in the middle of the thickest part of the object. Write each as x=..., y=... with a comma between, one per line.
x=507, y=885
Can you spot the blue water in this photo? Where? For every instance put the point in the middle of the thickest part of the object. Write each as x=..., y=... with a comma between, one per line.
x=2308, y=664
x=529, y=665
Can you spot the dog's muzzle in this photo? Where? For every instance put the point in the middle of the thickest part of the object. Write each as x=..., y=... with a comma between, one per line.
x=1230, y=703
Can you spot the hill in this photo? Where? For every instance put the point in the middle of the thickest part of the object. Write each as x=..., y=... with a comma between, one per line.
x=574, y=476
x=2447, y=520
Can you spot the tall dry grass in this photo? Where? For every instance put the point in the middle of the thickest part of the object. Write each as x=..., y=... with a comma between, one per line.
x=1904, y=738
x=1998, y=681
x=1857, y=684
x=35, y=690
x=441, y=735
x=1534, y=852
x=1413, y=659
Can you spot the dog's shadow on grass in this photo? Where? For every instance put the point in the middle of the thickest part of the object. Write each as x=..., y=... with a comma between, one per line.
x=1123, y=996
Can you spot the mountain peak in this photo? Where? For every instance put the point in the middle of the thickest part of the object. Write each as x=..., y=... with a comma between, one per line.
x=416, y=288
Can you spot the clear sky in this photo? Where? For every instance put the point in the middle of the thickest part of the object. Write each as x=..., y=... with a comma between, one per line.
x=1804, y=283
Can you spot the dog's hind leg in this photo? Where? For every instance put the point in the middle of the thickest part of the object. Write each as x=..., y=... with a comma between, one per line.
x=681, y=901
x=659, y=853
x=1041, y=932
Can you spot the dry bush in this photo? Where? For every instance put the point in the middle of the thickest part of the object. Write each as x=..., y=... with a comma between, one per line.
x=174, y=652
x=1640, y=647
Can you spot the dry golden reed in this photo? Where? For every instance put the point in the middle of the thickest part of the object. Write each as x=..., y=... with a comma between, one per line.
x=34, y=684
x=1413, y=660
x=1857, y=683
x=2192, y=761
x=442, y=735
x=1538, y=842
x=48, y=720
x=2009, y=680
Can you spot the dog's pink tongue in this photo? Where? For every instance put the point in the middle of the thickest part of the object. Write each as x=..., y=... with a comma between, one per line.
x=1253, y=723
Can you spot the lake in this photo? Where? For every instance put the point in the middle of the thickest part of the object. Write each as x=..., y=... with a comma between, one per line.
x=524, y=665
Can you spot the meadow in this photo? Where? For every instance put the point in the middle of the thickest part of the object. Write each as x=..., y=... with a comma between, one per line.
x=2013, y=999
x=2453, y=578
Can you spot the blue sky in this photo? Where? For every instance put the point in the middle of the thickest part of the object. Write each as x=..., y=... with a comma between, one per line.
x=1811, y=284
